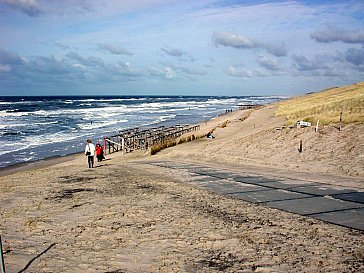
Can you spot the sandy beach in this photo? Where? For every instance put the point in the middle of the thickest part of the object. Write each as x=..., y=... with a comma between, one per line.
x=127, y=215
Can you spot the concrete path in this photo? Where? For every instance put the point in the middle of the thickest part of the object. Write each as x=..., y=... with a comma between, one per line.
x=342, y=206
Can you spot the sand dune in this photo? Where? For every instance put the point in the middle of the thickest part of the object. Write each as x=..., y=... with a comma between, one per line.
x=256, y=141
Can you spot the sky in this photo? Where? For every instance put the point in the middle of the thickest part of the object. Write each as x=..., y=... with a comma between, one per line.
x=175, y=47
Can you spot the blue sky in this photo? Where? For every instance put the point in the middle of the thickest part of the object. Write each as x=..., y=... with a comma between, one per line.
x=170, y=47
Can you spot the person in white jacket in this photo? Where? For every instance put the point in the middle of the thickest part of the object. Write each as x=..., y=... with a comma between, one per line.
x=90, y=153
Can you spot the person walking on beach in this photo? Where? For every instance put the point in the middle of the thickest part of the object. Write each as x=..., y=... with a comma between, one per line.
x=99, y=152
x=90, y=153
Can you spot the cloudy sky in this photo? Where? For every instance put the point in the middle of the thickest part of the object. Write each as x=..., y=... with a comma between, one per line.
x=175, y=47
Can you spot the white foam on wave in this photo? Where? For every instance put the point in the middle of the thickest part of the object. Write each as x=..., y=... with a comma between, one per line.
x=19, y=102
x=162, y=119
x=18, y=125
x=50, y=138
x=97, y=125
x=27, y=158
x=110, y=100
x=221, y=101
x=82, y=111
x=188, y=104
x=12, y=147
x=12, y=113
x=161, y=110
x=36, y=141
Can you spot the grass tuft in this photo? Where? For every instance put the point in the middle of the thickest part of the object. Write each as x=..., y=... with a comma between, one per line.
x=224, y=124
x=157, y=148
x=246, y=115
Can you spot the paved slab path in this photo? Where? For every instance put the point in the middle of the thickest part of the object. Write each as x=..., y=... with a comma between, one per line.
x=342, y=206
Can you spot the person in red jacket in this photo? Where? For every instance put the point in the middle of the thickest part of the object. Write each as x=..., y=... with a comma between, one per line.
x=99, y=152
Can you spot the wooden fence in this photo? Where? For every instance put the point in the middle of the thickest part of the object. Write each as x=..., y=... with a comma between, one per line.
x=136, y=139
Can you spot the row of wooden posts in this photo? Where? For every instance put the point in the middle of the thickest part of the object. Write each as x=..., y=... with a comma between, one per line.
x=136, y=139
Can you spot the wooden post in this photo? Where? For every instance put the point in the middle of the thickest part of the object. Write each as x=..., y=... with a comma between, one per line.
x=341, y=120
x=122, y=145
x=300, y=148
x=2, y=263
x=317, y=124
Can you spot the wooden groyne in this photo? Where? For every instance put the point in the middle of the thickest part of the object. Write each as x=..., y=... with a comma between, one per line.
x=136, y=139
x=248, y=106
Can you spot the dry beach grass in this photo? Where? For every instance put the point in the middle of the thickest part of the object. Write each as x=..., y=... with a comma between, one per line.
x=128, y=216
x=326, y=106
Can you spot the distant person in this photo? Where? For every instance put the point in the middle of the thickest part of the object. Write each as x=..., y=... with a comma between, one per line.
x=99, y=152
x=90, y=153
x=209, y=135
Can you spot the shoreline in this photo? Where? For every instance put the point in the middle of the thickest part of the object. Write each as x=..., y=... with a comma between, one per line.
x=22, y=165
x=53, y=160
x=37, y=164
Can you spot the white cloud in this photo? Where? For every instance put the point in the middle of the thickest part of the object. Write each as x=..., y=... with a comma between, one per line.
x=89, y=61
x=228, y=39
x=241, y=72
x=269, y=63
x=277, y=50
x=176, y=52
x=115, y=49
x=341, y=65
x=126, y=69
x=165, y=72
x=302, y=63
x=333, y=34
x=233, y=40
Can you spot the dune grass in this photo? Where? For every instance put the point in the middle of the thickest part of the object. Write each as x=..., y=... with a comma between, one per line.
x=326, y=106
x=158, y=147
x=224, y=124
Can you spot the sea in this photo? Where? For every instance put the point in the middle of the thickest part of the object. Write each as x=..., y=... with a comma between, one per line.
x=34, y=128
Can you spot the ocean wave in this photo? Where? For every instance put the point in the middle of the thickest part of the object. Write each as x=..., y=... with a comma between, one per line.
x=7, y=148
x=12, y=113
x=109, y=100
x=36, y=141
x=97, y=125
x=27, y=158
x=161, y=119
x=81, y=111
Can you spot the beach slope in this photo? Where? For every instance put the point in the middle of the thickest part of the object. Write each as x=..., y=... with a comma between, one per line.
x=128, y=215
